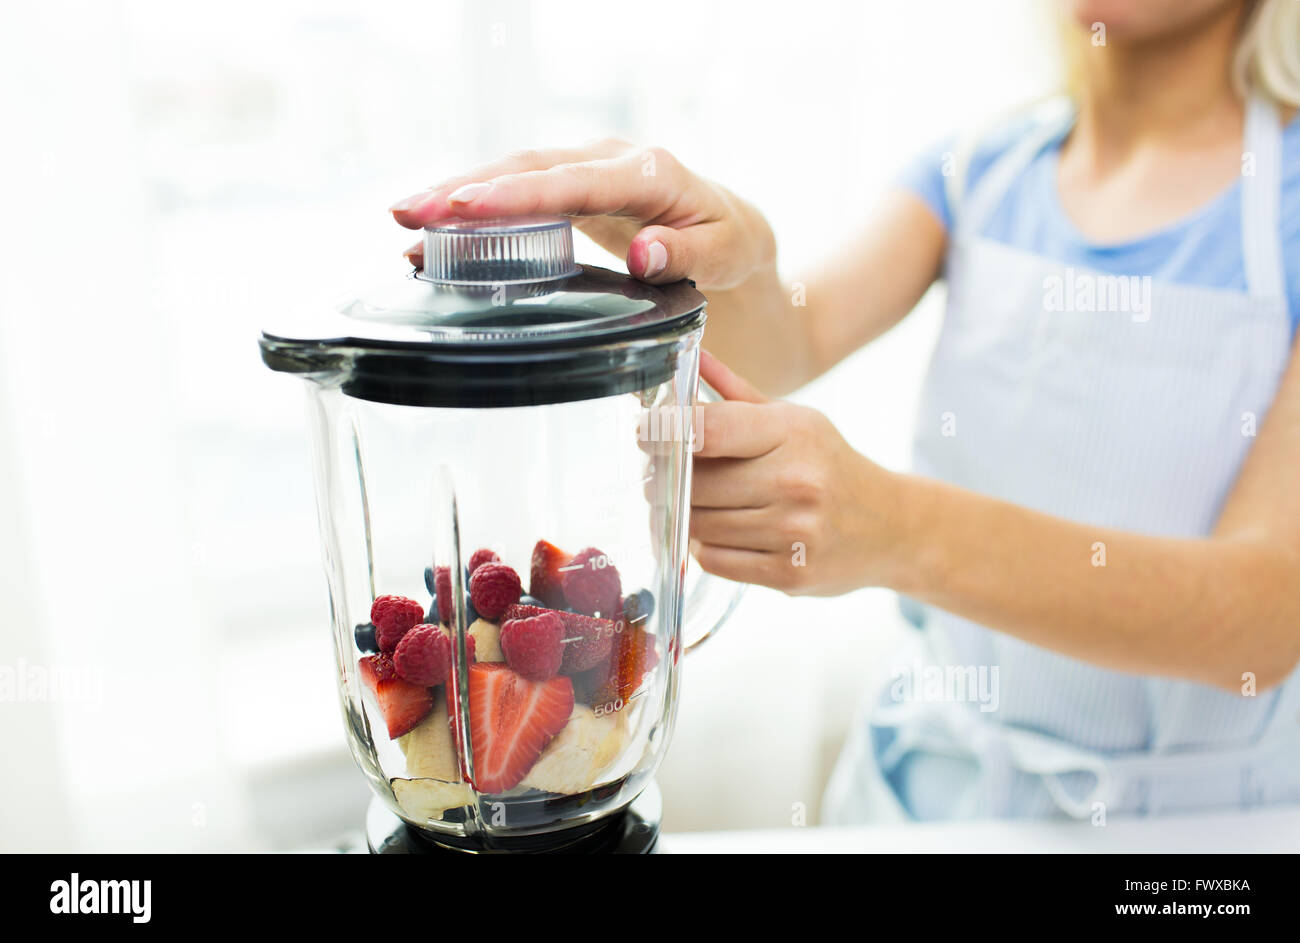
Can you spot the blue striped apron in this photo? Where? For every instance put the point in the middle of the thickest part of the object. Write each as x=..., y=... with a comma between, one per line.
x=1135, y=417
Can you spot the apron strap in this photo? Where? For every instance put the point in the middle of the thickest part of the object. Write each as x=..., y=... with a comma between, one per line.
x=951, y=729
x=1261, y=234
x=972, y=206
x=958, y=730
x=1284, y=721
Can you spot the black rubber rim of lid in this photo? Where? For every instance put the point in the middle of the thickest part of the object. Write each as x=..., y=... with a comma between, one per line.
x=490, y=376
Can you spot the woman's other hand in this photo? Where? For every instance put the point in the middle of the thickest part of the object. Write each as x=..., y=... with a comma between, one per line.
x=781, y=500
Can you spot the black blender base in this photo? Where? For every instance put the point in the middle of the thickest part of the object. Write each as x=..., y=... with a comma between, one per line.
x=634, y=831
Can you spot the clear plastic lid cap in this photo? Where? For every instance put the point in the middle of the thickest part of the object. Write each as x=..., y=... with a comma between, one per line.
x=498, y=251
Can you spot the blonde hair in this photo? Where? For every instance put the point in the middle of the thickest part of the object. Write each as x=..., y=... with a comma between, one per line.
x=1267, y=59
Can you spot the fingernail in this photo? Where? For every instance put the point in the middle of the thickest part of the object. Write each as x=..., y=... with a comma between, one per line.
x=656, y=258
x=411, y=202
x=468, y=193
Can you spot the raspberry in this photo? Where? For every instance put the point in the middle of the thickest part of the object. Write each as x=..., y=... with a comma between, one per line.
x=587, y=641
x=591, y=584
x=480, y=557
x=492, y=588
x=393, y=617
x=423, y=656
x=534, y=647
x=442, y=585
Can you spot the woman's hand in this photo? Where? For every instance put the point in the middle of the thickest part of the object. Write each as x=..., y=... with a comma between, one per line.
x=780, y=499
x=640, y=203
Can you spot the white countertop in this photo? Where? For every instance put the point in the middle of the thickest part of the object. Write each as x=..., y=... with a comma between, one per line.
x=1273, y=830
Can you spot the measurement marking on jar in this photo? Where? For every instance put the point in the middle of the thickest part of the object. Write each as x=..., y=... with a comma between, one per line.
x=566, y=569
x=616, y=705
x=640, y=618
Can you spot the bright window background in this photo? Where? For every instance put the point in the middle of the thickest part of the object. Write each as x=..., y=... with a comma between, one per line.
x=174, y=174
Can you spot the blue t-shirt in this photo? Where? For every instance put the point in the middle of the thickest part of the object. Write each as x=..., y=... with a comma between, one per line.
x=1202, y=249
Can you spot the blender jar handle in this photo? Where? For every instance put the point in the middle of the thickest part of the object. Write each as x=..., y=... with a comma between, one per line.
x=711, y=600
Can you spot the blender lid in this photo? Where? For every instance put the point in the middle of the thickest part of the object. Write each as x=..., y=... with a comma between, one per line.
x=501, y=306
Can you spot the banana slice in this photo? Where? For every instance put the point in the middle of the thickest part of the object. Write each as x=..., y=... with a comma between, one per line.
x=433, y=785
x=487, y=640
x=574, y=760
x=428, y=748
x=430, y=798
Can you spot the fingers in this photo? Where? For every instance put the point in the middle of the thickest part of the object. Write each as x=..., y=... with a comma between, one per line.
x=730, y=385
x=610, y=187
x=741, y=528
x=742, y=566
x=431, y=205
x=729, y=483
x=735, y=430
x=611, y=233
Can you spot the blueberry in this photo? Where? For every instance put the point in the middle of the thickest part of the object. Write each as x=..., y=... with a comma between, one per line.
x=433, y=617
x=526, y=600
x=647, y=601
x=639, y=607
x=365, y=637
x=429, y=583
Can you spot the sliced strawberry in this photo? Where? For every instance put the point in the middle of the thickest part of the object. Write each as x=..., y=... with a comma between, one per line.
x=402, y=704
x=545, y=581
x=512, y=720
x=612, y=685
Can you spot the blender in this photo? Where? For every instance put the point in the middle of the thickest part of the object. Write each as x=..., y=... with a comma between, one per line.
x=501, y=445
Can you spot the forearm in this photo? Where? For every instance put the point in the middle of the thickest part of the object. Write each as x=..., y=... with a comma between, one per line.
x=782, y=336
x=1208, y=610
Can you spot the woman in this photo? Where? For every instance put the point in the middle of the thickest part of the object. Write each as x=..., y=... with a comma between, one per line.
x=1103, y=507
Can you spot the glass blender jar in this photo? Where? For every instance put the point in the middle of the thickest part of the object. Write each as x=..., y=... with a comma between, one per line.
x=502, y=452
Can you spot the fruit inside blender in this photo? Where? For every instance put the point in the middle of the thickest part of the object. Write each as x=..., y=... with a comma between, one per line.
x=553, y=677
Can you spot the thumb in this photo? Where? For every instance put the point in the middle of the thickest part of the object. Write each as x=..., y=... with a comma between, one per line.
x=661, y=254
x=730, y=385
